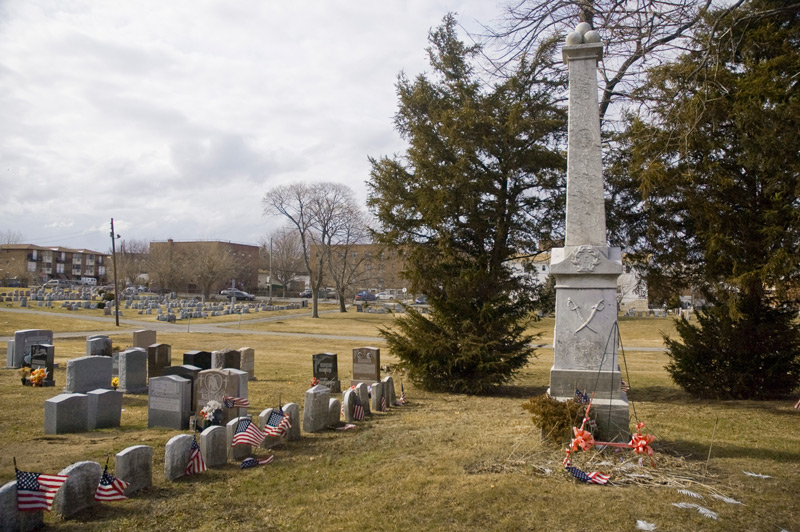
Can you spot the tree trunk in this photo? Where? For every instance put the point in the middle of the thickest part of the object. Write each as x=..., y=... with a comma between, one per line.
x=342, y=307
x=315, y=304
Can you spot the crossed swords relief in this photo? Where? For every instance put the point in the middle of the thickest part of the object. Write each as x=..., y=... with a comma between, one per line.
x=595, y=309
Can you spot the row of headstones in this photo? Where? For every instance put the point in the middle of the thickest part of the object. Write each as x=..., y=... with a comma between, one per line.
x=656, y=313
x=133, y=465
x=321, y=411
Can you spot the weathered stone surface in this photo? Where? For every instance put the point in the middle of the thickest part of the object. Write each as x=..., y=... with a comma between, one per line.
x=334, y=412
x=133, y=371
x=377, y=395
x=247, y=362
x=176, y=456
x=238, y=452
x=186, y=371
x=348, y=402
x=135, y=466
x=388, y=391
x=104, y=408
x=169, y=402
x=201, y=359
x=66, y=412
x=23, y=340
x=213, y=443
x=144, y=338
x=213, y=384
x=293, y=410
x=98, y=345
x=363, y=395
x=78, y=491
x=88, y=373
x=315, y=410
x=13, y=520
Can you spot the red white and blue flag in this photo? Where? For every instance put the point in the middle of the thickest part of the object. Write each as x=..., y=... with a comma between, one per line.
x=402, y=394
x=235, y=402
x=358, y=408
x=797, y=404
x=247, y=433
x=383, y=403
x=36, y=491
x=254, y=462
x=278, y=423
x=110, y=488
x=591, y=478
x=196, y=463
x=581, y=397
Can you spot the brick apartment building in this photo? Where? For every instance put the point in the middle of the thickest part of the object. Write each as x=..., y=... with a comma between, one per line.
x=245, y=257
x=29, y=263
x=378, y=268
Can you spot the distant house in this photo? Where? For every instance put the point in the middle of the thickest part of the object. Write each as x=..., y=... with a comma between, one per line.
x=39, y=264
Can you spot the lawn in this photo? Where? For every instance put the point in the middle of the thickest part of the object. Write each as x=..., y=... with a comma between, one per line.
x=444, y=461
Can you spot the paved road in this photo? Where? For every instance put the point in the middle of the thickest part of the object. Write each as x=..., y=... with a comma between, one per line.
x=197, y=326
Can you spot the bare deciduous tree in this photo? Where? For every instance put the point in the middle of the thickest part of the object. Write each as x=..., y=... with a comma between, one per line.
x=9, y=236
x=165, y=266
x=344, y=266
x=208, y=263
x=287, y=255
x=132, y=261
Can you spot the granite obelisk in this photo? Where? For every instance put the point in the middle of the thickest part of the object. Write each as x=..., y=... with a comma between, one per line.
x=586, y=269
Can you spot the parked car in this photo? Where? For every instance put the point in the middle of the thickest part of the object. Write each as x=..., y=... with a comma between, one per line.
x=384, y=295
x=365, y=296
x=421, y=300
x=238, y=294
x=306, y=293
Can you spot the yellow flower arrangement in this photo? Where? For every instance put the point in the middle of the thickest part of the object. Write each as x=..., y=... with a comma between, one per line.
x=37, y=376
x=115, y=382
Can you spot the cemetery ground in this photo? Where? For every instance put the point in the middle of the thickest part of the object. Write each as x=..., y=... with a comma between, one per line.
x=444, y=461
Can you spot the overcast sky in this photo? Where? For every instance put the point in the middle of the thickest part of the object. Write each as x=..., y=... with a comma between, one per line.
x=175, y=117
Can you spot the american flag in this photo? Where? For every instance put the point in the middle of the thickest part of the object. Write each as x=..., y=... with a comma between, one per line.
x=402, y=394
x=196, y=463
x=797, y=404
x=581, y=397
x=358, y=408
x=253, y=462
x=110, y=488
x=36, y=491
x=235, y=402
x=247, y=433
x=592, y=478
x=278, y=423
x=383, y=403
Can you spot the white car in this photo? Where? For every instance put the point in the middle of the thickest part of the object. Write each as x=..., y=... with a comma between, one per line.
x=384, y=295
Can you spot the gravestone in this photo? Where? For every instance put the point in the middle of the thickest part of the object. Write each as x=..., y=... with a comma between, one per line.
x=115, y=364
x=23, y=341
x=42, y=356
x=159, y=356
x=315, y=409
x=98, y=346
x=104, y=408
x=388, y=391
x=187, y=372
x=213, y=384
x=293, y=411
x=334, y=412
x=134, y=465
x=213, y=442
x=132, y=370
x=247, y=362
x=326, y=369
x=377, y=395
x=263, y=417
x=366, y=365
x=144, y=338
x=201, y=359
x=226, y=359
x=586, y=269
x=236, y=452
x=348, y=402
x=88, y=373
x=176, y=456
x=15, y=520
x=169, y=402
x=363, y=395
x=77, y=493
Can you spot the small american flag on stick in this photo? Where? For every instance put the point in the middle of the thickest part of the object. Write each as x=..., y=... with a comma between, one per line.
x=36, y=491
x=235, y=402
x=797, y=404
x=247, y=433
x=383, y=403
x=254, y=462
x=402, y=394
x=358, y=408
x=278, y=423
x=110, y=488
x=591, y=478
x=196, y=463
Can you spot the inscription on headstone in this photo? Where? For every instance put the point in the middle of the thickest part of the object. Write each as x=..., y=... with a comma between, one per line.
x=366, y=365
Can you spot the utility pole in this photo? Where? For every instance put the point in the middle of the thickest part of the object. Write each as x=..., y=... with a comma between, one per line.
x=270, y=272
x=114, y=238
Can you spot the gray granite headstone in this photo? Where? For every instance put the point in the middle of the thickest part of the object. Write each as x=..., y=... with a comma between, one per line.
x=77, y=493
x=363, y=395
x=377, y=395
x=105, y=408
x=144, y=338
x=201, y=359
x=236, y=452
x=43, y=356
x=388, y=391
x=334, y=412
x=213, y=384
x=132, y=371
x=187, y=372
x=88, y=373
x=159, y=356
x=348, y=402
x=315, y=410
x=169, y=402
x=366, y=365
x=66, y=412
x=247, y=362
x=98, y=345
x=15, y=520
x=176, y=456
x=135, y=466
x=293, y=411
x=23, y=340
x=213, y=442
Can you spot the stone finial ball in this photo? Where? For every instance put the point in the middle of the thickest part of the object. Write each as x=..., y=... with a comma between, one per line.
x=583, y=27
x=574, y=38
x=591, y=36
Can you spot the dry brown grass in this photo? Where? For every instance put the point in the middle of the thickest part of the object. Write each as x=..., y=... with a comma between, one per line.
x=445, y=461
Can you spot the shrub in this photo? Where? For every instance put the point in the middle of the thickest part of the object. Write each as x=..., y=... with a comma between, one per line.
x=101, y=304
x=753, y=356
x=108, y=296
x=555, y=418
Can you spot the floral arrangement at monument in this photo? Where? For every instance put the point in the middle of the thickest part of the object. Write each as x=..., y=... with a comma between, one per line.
x=115, y=382
x=24, y=373
x=37, y=376
x=314, y=382
x=212, y=413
